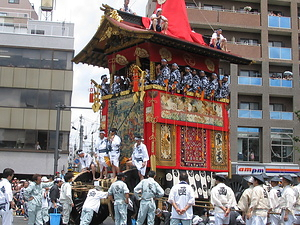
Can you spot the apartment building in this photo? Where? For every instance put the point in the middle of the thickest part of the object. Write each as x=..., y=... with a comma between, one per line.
x=36, y=74
x=264, y=95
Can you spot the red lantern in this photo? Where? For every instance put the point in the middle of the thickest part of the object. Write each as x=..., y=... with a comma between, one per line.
x=135, y=80
x=91, y=95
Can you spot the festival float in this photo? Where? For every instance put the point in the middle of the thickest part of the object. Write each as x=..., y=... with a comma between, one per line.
x=182, y=130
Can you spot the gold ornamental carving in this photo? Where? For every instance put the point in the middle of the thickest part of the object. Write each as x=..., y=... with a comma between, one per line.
x=189, y=59
x=141, y=52
x=165, y=54
x=121, y=60
x=210, y=65
x=115, y=15
x=108, y=33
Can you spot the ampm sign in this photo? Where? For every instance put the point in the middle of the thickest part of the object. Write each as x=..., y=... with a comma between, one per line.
x=247, y=170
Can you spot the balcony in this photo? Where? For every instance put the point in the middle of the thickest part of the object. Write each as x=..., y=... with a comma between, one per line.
x=239, y=18
x=252, y=114
x=248, y=51
x=280, y=53
x=280, y=83
x=250, y=80
x=279, y=22
x=276, y=115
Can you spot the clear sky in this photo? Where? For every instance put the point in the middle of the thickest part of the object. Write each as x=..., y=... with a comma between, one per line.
x=86, y=15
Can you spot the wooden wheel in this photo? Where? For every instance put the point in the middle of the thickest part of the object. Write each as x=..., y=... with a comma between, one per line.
x=238, y=185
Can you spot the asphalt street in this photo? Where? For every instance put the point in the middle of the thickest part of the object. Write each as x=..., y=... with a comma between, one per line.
x=18, y=220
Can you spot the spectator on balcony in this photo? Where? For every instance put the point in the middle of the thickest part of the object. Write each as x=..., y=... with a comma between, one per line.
x=218, y=40
x=159, y=23
x=273, y=76
x=289, y=77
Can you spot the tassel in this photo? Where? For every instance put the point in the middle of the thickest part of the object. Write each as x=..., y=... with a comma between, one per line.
x=202, y=96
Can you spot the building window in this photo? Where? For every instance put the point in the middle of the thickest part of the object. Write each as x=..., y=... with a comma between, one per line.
x=212, y=7
x=42, y=32
x=248, y=144
x=191, y=5
x=250, y=77
x=276, y=107
x=29, y=139
x=14, y=1
x=33, y=98
x=249, y=110
x=282, y=145
x=249, y=105
x=250, y=73
x=247, y=41
x=275, y=44
x=36, y=58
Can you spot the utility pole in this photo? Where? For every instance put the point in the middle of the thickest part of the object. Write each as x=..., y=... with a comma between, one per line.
x=80, y=133
x=60, y=107
x=92, y=145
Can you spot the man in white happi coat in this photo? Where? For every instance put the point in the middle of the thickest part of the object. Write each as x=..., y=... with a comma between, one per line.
x=139, y=157
x=259, y=203
x=222, y=198
x=91, y=205
x=114, y=144
x=182, y=199
x=297, y=204
x=288, y=201
x=275, y=201
x=244, y=202
x=86, y=162
x=6, y=197
x=101, y=151
x=149, y=190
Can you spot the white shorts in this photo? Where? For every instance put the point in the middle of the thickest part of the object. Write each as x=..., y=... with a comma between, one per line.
x=114, y=159
x=101, y=161
x=259, y=220
x=220, y=219
x=248, y=222
x=274, y=219
x=291, y=219
x=297, y=218
x=139, y=167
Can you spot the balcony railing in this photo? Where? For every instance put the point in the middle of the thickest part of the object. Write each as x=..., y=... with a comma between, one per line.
x=250, y=81
x=238, y=18
x=222, y=10
x=276, y=115
x=280, y=53
x=253, y=114
x=42, y=29
x=280, y=22
x=281, y=83
x=249, y=51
